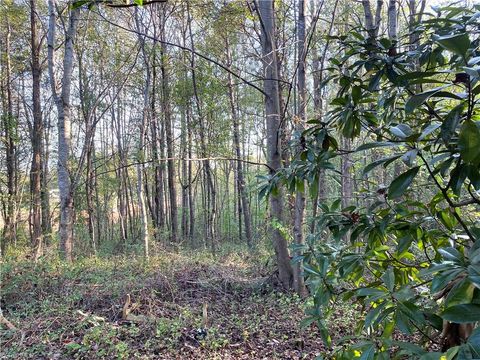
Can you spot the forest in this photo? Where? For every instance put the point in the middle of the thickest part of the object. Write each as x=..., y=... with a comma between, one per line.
x=240, y=179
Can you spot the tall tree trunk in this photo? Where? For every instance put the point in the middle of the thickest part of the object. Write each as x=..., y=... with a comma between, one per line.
x=184, y=172
x=191, y=198
x=141, y=151
x=372, y=24
x=392, y=20
x=64, y=126
x=210, y=187
x=299, y=213
x=245, y=206
x=170, y=142
x=10, y=124
x=45, y=193
x=159, y=216
x=37, y=138
x=274, y=152
x=318, y=69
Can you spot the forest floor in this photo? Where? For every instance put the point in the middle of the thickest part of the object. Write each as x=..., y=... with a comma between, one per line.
x=178, y=306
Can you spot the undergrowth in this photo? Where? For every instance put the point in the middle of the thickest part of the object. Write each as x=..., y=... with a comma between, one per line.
x=180, y=305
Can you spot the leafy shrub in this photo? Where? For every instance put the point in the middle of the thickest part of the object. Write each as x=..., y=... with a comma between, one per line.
x=410, y=253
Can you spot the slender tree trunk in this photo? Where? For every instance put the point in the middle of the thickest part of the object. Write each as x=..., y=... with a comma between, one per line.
x=299, y=213
x=210, y=188
x=274, y=153
x=37, y=137
x=372, y=24
x=245, y=206
x=159, y=213
x=169, y=139
x=141, y=151
x=64, y=127
x=45, y=193
x=10, y=124
x=191, y=199
x=184, y=172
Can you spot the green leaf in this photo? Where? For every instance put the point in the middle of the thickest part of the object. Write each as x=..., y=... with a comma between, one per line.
x=356, y=94
x=375, y=81
x=401, y=183
x=461, y=293
x=474, y=274
x=409, y=157
x=411, y=348
x=389, y=279
x=401, y=131
x=432, y=356
x=474, y=342
x=451, y=254
x=457, y=178
x=429, y=129
x=374, y=164
x=450, y=124
x=443, y=279
x=469, y=142
x=138, y=2
x=418, y=99
x=368, y=354
x=375, y=145
x=464, y=313
x=457, y=43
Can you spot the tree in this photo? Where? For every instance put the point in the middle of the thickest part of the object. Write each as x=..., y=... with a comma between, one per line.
x=244, y=203
x=266, y=14
x=37, y=136
x=299, y=214
x=62, y=101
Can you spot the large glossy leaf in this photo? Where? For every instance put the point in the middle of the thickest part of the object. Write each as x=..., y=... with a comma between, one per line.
x=469, y=142
x=461, y=293
x=442, y=279
x=452, y=254
x=418, y=99
x=401, y=183
x=389, y=279
x=456, y=43
x=450, y=124
x=401, y=131
x=429, y=129
x=464, y=313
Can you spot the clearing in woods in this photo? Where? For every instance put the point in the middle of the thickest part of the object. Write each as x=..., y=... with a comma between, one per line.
x=178, y=306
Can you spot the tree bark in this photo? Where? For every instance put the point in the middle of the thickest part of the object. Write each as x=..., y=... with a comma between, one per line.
x=10, y=124
x=274, y=154
x=141, y=151
x=64, y=126
x=36, y=138
x=299, y=213
x=372, y=25
x=170, y=142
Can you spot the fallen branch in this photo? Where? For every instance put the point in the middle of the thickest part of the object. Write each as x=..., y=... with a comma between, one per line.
x=7, y=323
